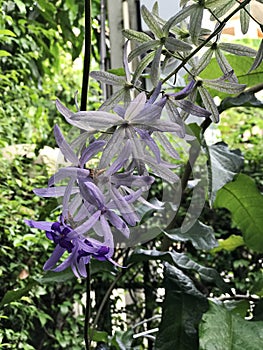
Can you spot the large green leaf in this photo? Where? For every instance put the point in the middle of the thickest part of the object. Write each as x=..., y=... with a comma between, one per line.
x=224, y=164
x=183, y=308
x=242, y=198
x=201, y=236
x=183, y=262
x=222, y=329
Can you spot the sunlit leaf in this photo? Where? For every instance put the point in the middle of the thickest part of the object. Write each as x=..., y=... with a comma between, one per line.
x=224, y=86
x=229, y=244
x=4, y=53
x=237, y=49
x=242, y=198
x=7, y=32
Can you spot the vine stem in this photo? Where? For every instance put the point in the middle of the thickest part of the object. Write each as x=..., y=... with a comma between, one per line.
x=106, y=297
x=83, y=107
x=211, y=36
x=87, y=309
x=87, y=55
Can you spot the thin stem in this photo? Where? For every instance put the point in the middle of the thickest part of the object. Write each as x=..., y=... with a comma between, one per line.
x=211, y=36
x=87, y=310
x=106, y=297
x=87, y=55
x=83, y=107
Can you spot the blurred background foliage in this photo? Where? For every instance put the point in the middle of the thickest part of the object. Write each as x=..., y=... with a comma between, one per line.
x=41, y=60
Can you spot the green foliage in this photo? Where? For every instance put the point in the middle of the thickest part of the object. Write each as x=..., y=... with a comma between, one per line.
x=245, y=203
x=183, y=308
x=223, y=328
x=40, y=60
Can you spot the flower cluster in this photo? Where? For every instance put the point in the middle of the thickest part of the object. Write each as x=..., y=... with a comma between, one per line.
x=96, y=202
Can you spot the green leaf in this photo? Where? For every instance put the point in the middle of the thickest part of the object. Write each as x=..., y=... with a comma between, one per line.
x=224, y=65
x=21, y=6
x=203, y=62
x=224, y=86
x=201, y=236
x=242, y=198
x=223, y=165
x=7, y=32
x=122, y=340
x=258, y=289
x=183, y=262
x=244, y=19
x=150, y=45
x=237, y=307
x=14, y=295
x=179, y=17
x=258, y=59
x=222, y=8
x=108, y=78
x=155, y=68
x=4, y=53
x=137, y=36
x=56, y=277
x=229, y=244
x=98, y=336
x=237, y=49
x=209, y=104
x=142, y=65
x=151, y=22
x=174, y=44
x=221, y=329
x=183, y=308
x=245, y=99
x=196, y=18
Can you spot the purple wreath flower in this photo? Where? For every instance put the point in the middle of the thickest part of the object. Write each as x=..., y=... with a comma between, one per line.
x=80, y=249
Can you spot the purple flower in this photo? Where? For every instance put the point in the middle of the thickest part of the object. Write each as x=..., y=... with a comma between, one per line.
x=80, y=249
x=135, y=124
